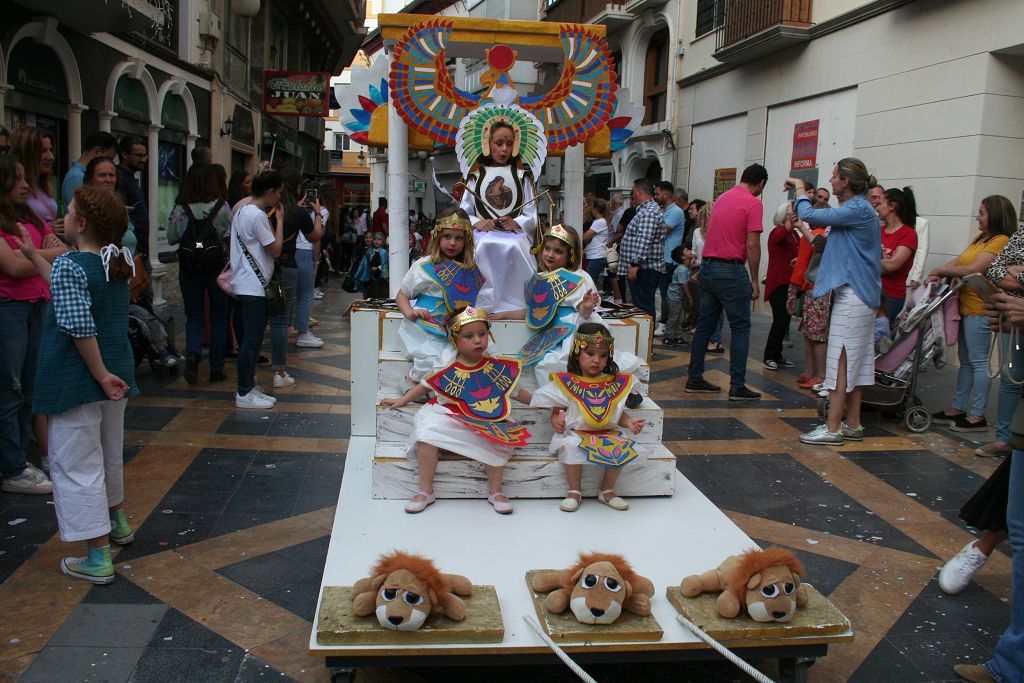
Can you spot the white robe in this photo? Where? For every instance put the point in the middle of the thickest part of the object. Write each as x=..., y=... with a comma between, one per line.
x=424, y=348
x=567, y=444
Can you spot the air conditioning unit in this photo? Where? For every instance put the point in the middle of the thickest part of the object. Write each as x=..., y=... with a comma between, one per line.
x=210, y=26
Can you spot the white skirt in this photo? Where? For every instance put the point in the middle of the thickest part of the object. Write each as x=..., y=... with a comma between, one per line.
x=424, y=348
x=505, y=260
x=852, y=328
x=435, y=425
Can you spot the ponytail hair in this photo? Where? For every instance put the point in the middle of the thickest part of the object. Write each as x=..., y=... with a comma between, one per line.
x=106, y=220
x=856, y=172
x=906, y=206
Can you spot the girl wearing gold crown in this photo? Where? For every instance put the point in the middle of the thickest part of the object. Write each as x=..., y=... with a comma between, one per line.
x=501, y=148
x=471, y=414
x=587, y=404
x=436, y=285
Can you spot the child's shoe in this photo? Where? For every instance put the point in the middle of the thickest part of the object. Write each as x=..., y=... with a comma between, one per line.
x=168, y=359
x=97, y=567
x=614, y=502
x=502, y=507
x=120, y=531
x=571, y=503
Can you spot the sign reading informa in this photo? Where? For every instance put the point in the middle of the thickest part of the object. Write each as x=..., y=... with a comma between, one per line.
x=805, y=145
x=725, y=180
x=295, y=93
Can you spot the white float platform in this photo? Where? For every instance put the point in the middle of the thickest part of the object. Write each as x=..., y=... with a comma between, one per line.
x=664, y=538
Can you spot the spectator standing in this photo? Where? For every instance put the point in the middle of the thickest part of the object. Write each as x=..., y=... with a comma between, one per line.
x=594, y=240
x=618, y=211
x=733, y=237
x=239, y=187
x=851, y=270
x=783, y=246
x=201, y=154
x=33, y=147
x=380, y=217
x=98, y=144
x=898, y=212
x=674, y=216
x=133, y=154
x=641, y=257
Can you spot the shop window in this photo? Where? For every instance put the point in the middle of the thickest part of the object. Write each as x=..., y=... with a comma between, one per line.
x=278, y=58
x=617, y=61
x=656, y=78
x=710, y=16
x=342, y=142
x=171, y=167
x=236, y=52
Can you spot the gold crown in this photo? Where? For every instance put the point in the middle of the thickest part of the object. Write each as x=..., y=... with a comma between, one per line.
x=561, y=233
x=581, y=341
x=467, y=316
x=452, y=222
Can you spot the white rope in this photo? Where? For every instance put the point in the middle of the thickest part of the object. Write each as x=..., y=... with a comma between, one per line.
x=724, y=651
x=576, y=668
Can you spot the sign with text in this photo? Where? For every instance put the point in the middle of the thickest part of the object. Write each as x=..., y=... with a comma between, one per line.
x=295, y=93
x=725, y=180
x=805, y=145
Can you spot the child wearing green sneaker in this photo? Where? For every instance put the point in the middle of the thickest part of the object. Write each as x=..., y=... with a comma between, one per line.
x=83, y=357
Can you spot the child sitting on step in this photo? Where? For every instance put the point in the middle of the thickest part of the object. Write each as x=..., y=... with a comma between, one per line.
x=85, y=372
x=586, y=407
x=471, y=414
x=436, y=285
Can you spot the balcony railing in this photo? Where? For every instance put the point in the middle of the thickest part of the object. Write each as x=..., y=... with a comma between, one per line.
x=578, y=11
x=745, y=18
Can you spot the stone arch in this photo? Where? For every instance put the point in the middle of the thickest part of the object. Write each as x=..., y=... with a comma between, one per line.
x=46, y=32
x=636, y=165
x=634, y=53
x=136, y=69
x=178, y=86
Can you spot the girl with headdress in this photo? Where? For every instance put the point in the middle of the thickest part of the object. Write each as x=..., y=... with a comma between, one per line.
x=587, y=404
x=471, y=414
x=501, y=147
x=435, y=285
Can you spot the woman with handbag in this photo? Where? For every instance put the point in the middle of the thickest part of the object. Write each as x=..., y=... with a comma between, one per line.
x=254, y=246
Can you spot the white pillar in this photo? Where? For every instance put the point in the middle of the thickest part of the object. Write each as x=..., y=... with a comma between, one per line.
x=4, y=89
x=398, y=199
x=75, y=130
x=105, y=118
x=152, y=188
x=573, y=188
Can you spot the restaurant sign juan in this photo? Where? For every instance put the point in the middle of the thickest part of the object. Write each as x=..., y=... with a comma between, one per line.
x=296, y=93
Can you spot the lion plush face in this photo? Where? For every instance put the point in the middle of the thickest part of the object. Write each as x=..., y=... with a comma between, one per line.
x=599, y=594
x=403, y=601
x=772, y=594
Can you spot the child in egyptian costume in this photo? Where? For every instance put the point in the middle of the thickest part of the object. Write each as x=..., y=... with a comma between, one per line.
x=587, y=406
x=436, y=285
x=560, y=297
x=501, y=147
x=471, y=414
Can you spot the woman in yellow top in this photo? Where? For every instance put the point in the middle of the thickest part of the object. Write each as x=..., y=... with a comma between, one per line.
x=972, y=380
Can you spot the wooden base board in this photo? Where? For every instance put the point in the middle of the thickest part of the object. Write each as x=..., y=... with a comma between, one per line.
x=338, y=625
x=818, y=617
x=563, y=628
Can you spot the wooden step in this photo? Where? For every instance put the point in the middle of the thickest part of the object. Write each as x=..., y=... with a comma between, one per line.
x=396, y=425
x=393, y=368
x=531, y=473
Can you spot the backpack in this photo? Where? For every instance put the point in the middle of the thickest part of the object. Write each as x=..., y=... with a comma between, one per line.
x=200, y=249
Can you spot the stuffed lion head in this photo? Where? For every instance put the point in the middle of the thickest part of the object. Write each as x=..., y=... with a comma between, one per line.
x=766, y=583
x=404, y=589
x=598, y=588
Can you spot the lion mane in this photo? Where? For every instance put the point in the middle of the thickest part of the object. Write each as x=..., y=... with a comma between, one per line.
x=755, y=561
x=421, y=567
x=623, y=567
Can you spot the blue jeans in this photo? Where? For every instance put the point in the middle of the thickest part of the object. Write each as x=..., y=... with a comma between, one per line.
x=973, y=354
x=664, y=281
x=723, y=287
x=304, y=289
x=643, y=288
x=895, y=306
x=279, y=323
x=1008, y=395
x=195, y=288
x=1007, y=663
x=253, y=310
x=21, y=329
x=716, y=336
x=595, y=269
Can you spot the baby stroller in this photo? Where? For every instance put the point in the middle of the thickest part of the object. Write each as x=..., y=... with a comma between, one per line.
x=925, y=327
x=142, y=348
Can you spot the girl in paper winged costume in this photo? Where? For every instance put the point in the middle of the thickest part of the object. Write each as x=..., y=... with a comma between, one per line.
x=472, y=411
x=435, y=286
x=587, y=405
x=501, y=148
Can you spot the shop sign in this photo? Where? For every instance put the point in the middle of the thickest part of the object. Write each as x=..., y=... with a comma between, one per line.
x=130, y=99
x=725, y=180
x=295, y=93
x=242, y=129
x=805, y=145
x=174, y=115
x=417, y=186
x=34, y=68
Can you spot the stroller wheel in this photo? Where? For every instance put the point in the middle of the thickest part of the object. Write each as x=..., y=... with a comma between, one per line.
x=917, y=419
x=823, y=408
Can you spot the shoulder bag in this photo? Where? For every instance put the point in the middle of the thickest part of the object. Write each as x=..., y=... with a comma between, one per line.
x=273, y=290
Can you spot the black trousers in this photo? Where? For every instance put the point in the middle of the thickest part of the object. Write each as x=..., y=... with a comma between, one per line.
x=780, y=323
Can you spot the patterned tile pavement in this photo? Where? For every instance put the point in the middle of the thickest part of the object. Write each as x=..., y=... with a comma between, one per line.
x=233, y=512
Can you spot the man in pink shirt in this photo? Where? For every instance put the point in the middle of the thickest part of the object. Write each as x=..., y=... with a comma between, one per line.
x=734, y=239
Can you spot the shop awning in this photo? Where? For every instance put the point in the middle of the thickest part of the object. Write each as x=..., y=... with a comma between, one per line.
x=112, y=16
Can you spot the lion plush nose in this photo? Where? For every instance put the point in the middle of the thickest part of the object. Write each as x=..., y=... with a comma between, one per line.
x=597, y=612
x=397, y=621
x=779, y=615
